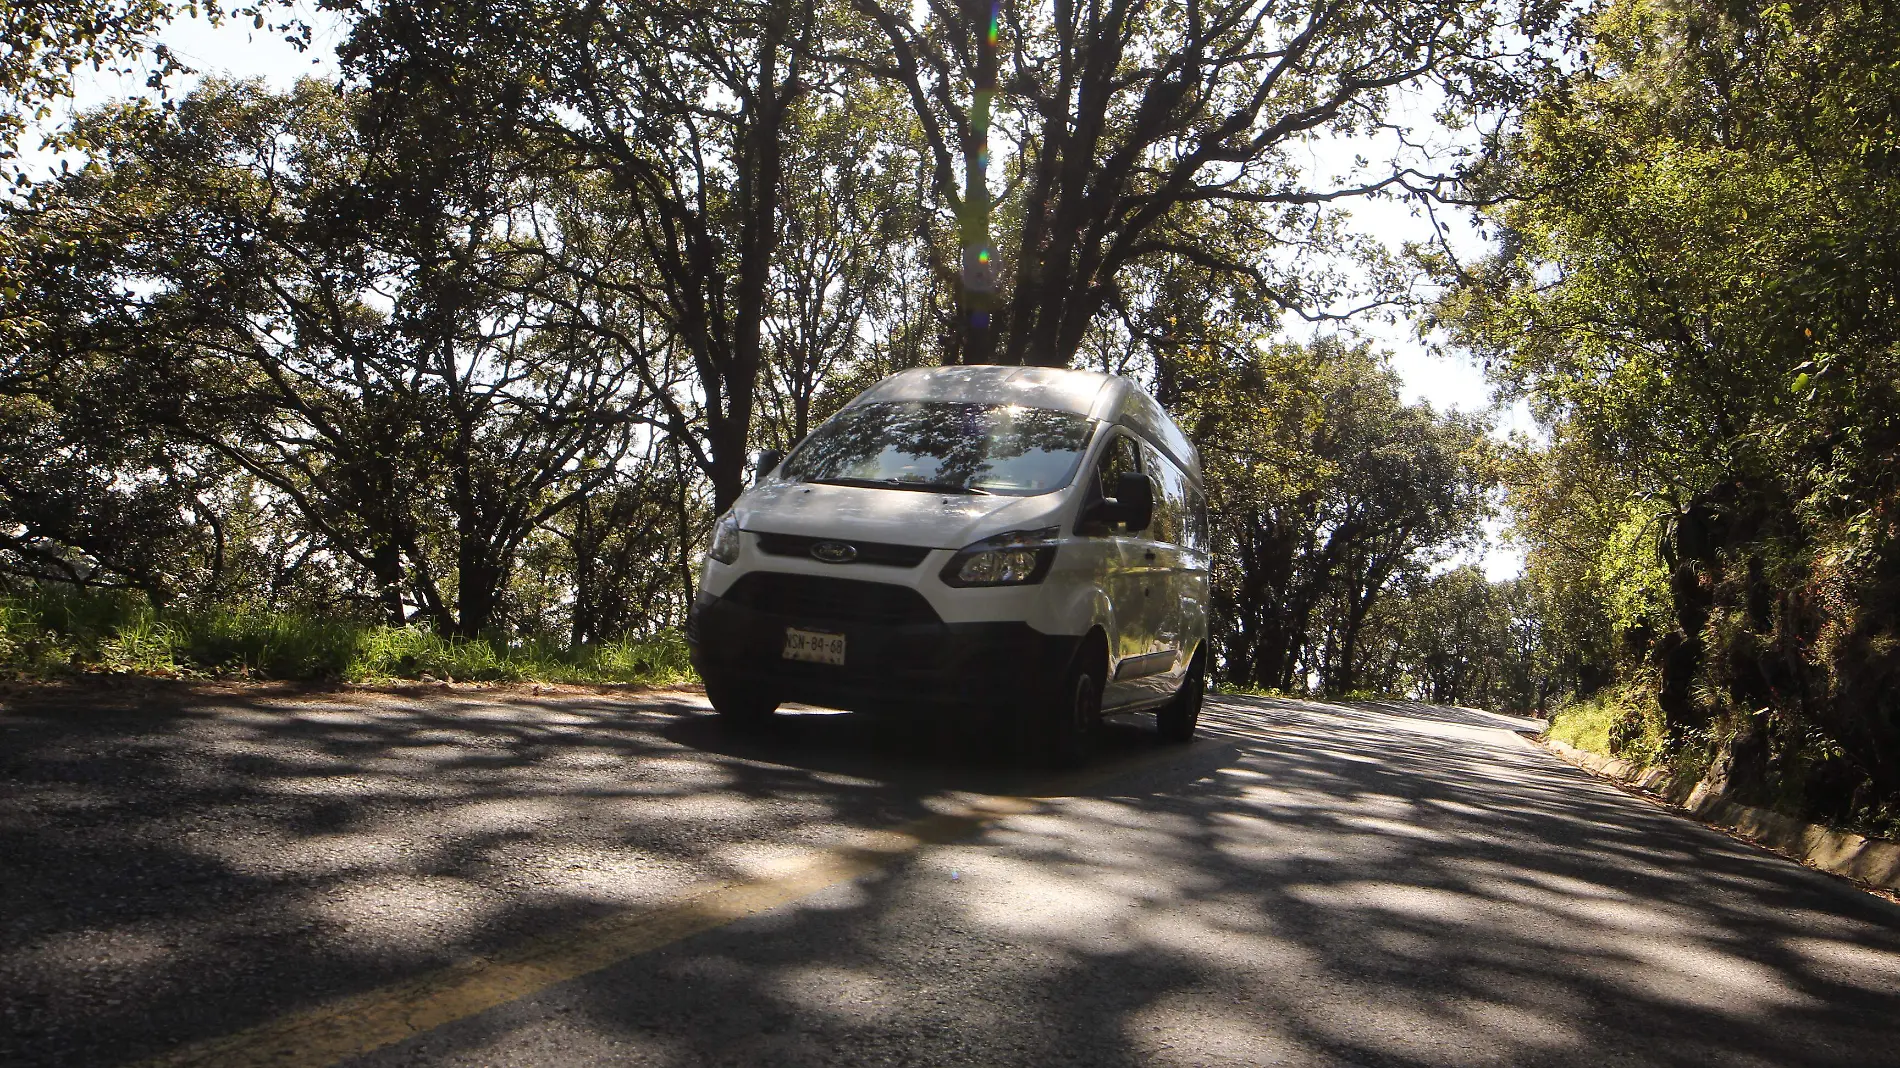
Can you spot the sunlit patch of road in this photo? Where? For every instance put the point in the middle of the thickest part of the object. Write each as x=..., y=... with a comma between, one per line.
x=1375, y=883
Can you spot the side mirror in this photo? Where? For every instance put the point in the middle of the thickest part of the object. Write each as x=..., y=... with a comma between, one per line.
x=1134, y=501
x=764, y=462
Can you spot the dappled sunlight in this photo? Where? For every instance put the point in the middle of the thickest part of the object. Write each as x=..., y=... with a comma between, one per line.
x=1627, y=915
x=1557, y=893
x=1441, y=906
x=323, y=854
x=394, y=914
x=1317, y=886
x=499, y=816
x=620, y=877
x=1507, y=1025
x=757, y=860
x=1042, y=902
x=1498, y=931
x=849, y=993
x=1386, y=825
x=1185, y=1029
x=361, y=834
x=1694, y=973
x=1845, y=955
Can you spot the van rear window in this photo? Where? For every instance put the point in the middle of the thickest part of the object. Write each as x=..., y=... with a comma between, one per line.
x=946, y=447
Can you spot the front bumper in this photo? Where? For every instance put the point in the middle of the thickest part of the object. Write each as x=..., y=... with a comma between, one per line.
x=898, y=663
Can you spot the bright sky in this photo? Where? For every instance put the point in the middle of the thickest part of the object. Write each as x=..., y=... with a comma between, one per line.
x=237, y=50
x=1446, y=382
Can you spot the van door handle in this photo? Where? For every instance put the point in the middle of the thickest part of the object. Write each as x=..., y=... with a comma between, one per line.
x=1150, y=554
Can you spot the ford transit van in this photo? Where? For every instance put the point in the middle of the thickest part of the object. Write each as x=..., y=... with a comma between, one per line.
x=1022, y=548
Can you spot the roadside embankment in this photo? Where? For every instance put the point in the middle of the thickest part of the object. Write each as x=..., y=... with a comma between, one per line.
x=1874, y=861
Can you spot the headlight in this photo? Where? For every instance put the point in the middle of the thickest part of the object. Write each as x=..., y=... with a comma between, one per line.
x=1019, y=558
x=725, y=540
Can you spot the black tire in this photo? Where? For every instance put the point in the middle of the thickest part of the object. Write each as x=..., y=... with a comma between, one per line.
x=1176, y=720
x=1066, y=728
x=739, y=704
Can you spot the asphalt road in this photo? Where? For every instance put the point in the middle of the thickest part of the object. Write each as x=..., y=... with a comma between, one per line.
x=241, y=877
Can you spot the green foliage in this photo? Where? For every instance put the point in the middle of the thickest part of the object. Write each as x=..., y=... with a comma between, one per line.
x=1325, y=490
x=1634, y=584
x=1620, y=721
x=156, y=360
x=1457, y=637
x=1243, y=689
x=473, y=343
x=44, y=42
x=386, y=653
x=1698, y=291
x=52, y=632
x=1194, y=160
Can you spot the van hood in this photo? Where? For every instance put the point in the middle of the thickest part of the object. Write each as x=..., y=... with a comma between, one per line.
x=892, y=516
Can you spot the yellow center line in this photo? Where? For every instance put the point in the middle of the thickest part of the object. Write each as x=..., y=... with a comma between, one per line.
x=363, y=1023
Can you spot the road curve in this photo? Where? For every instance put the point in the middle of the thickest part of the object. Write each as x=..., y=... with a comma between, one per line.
x=223, y=878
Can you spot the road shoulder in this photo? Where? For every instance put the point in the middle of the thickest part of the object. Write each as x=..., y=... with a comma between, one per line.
x=1873, y=864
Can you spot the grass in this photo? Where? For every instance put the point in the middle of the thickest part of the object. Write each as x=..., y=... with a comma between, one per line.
x=1246, y=689
x=1619, y=721
x=386, y=653
x=1243, y=689
x=49, y=633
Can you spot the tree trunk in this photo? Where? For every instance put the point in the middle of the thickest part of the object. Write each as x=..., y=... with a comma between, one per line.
x=760, y=175
x=386, y=568
x=580, y=624
x=477, y=591
x=977, y=299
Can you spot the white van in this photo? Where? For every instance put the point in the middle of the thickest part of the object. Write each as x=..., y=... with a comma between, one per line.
x=1019, y=546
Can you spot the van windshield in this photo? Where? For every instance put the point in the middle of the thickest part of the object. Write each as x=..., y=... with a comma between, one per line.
x=945, y=447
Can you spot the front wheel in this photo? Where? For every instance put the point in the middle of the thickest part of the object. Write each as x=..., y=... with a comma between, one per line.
x=1176, y=719
x=1068, y=724
x=740, y=704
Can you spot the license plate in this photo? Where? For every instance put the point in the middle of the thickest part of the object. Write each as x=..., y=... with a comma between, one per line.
x=817, y=646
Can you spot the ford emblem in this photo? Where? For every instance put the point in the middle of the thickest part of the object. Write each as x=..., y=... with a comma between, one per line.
x=834, y=552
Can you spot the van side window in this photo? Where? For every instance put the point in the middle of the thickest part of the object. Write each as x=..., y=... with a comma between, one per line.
x=1172, y=507
x=1118, y=457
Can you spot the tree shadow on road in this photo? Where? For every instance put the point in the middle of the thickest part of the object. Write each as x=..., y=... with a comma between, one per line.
x=1346, y=886
x=1309, y=884
x=183, y=861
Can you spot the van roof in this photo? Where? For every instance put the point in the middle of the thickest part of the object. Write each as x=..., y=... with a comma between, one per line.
x=1111, y=398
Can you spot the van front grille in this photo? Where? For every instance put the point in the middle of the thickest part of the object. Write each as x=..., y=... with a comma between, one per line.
x=819, y=598
x=869, y=552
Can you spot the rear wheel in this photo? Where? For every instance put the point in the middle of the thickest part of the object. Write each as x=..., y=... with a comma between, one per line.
x=738, y=703
x=1176, y=719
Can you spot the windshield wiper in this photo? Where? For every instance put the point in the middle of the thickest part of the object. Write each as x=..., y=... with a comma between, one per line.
x=904, y=484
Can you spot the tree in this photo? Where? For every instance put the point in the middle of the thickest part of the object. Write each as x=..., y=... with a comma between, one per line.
x=45, y=42
x=850, y=215
x=480, y=341
x=88, y=499
x=1415, y=485
x=1696, y=292
x=629, y=551
x=1324, y=488
x=1130, y=119
x=682, y=107
x=365, y=335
